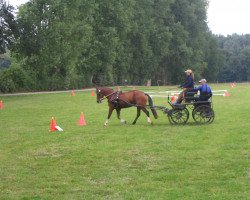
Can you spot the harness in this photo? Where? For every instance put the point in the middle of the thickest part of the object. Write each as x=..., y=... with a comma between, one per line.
x=124, y=104
x=106, y=97
x=114, y=96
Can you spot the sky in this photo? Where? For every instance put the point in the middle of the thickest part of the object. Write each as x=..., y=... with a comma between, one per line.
x=224, y=17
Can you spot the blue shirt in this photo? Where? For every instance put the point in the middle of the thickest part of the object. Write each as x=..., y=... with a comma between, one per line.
x=189, y=82
x=204, y=89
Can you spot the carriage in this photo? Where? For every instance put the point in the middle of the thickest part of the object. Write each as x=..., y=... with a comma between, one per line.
x=200, y=106
x=201, y=109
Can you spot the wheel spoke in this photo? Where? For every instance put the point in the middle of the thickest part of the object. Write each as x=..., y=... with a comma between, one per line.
x=179, y=116
x=203, y=114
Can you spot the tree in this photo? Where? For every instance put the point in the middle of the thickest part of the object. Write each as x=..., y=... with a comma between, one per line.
x=236, y=62
x=8, y=28
x=53, y=36
x=214, y=57
x=63, y=44
x=5, y=60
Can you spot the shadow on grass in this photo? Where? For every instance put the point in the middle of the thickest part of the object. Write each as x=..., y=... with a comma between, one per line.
x=158, y=124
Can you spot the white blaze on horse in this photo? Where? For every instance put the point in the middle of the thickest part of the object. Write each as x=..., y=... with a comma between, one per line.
x=118, y=100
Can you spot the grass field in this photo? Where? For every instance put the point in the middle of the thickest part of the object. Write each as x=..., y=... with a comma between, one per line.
x=122, y=161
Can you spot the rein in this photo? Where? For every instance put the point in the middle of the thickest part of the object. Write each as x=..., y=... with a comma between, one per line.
x=106, y=96
x=135, y=105
x=130, y=104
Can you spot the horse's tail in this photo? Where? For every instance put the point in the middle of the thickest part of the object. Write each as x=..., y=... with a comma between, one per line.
x=150, y=101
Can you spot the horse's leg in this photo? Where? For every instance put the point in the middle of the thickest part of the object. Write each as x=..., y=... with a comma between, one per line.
x=138, y=114
x=118, y=111
x=147, y=113
x=109, y=115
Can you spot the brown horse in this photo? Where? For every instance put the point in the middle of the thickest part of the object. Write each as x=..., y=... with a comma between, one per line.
x=118, y=100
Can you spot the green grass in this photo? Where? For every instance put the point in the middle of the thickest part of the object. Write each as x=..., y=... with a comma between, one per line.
x=122, y=161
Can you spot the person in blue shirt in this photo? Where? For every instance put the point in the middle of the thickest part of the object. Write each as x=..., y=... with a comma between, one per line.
x=205, y=90
x=188, y=85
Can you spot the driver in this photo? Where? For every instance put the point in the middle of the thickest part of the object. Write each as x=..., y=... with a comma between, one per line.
x=187, y=85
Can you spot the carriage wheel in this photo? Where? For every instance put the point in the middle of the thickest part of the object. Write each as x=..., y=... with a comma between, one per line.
x=203, y=114
x=178, y=116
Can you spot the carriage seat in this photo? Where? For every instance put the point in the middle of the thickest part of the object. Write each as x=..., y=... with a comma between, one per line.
x=190, y=96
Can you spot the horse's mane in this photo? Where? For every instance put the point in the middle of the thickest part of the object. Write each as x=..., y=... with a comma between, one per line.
x=107, y=89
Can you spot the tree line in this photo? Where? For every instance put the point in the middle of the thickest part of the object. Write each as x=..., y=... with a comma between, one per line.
x=236, y=56
x=62, y=44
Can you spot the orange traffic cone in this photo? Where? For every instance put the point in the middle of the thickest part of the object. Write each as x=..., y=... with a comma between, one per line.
x=118, y=88
x=92, y=93
x=1, y=104
x=227, y=94
x=81, y=121
x=173, y=99
x=72, y=93
x=53, y=125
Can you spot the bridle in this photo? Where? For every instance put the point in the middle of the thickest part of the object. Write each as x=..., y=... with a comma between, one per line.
x=105, y=96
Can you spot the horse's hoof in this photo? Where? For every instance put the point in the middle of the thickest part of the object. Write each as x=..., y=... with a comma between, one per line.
x=133, y=123
x=123, y=122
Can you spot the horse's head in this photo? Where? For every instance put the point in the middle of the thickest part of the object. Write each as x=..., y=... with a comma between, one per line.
x=99, y=95
x=102, y=93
